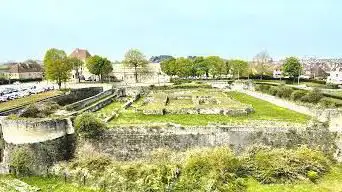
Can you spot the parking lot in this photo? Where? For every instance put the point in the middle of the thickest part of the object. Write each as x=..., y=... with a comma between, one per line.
x=18, y=90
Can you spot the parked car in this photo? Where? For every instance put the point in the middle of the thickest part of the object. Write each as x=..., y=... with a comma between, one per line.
x=3, y=98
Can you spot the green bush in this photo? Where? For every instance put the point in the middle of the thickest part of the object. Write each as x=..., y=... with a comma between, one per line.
x=327, y=102
x=313, y=96
x=284, y=91
x=31, y=111
x=22, y=160
x=297, y=95
x=313, y=176
x=331, y=86
x=269, y=165
x=273, y=90
x=88, y=126
x=263, y=88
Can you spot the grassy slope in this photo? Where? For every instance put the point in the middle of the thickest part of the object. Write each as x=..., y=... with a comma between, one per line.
x=263, y=111
x=332, y=182
x=27, y=100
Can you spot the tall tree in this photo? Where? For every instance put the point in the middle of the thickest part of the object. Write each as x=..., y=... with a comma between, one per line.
x=56, y=66
x=238, y=67
x=136, y=59
x=168, y=66
x=262, y=60
x=99, y=66
x=76, y=65
x=217, y=65
x=185, y=67
x=292, y=67
x=201, y=66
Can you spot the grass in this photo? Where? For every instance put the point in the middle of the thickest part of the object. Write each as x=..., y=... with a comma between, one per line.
x=27, y=100
x=263, y=111
x=54, y=185
x=107, y=110
x=329, y=183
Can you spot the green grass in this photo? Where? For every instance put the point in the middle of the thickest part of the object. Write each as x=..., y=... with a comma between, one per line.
x=332, y=182
x=107, y=110
x=27, y=100
x=263, y=111
x=54, y=185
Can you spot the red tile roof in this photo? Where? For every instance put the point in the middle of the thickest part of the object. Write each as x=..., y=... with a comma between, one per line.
x=81, y=54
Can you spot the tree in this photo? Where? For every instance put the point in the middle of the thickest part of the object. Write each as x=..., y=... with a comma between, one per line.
x=292, y=67
x=99, y=66
x=238, y=67
x=135, y=58
x=88, y=126
x=201, y=66
x=168, y=66
x=185, y=67
x=262, y=60
x=216, y=64
x=76, y=64
x=22, y=160
x=56, y=66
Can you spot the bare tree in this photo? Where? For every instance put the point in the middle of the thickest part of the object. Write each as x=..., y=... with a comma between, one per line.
x=262, y=60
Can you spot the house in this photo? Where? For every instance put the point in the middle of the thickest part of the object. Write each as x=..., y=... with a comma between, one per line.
x=22, y=71
x=151, y=74
x=277, y=73
x=335, y=76
x=83, y=72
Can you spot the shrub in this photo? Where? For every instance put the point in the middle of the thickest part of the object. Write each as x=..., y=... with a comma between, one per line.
x=88, y=126
x=269, y=165
x=262, y=88
x=273, y=91
x=326, y=102
x=313, y=176
x=22, y=160
x=284, y=91
x=313, y=96
x=297, y=95
x=30, y=111
x=331, y=86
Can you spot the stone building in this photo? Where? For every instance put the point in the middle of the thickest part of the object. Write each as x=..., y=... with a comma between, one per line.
x=23, y=71
x=335, y=76
x=83, y=72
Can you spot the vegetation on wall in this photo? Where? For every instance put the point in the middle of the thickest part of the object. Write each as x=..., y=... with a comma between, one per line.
x=88, y=126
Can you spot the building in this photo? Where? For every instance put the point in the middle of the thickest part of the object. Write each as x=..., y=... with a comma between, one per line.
x=335, y=76
x=28, y=70
x=83, y=72
x=151, y=74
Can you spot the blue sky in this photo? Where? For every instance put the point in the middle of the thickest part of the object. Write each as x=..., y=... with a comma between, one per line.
x=228, y=28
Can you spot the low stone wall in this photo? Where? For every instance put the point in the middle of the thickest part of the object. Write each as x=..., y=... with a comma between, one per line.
x=126, y=143
x=88, y=101
x=78, y=94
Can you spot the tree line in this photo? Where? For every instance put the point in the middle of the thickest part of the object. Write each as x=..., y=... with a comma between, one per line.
x=216, y=67
x=58, y=66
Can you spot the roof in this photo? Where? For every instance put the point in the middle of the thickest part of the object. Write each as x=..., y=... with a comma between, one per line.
x=24, y=67
x=81, y=54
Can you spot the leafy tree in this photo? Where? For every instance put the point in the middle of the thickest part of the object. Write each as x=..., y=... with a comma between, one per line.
x=76, y=65
x=201, y=66
x=262, y=60
x=185, y=67
x=216, y=64
x=228, y=66
x=88, y=126
x=135, y=58
x=292, y=67
x=168, y=66
x=99, y=66
x=56, y=65
x=238, y=67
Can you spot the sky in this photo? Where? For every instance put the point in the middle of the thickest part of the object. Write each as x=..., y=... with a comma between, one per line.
x=227, y=28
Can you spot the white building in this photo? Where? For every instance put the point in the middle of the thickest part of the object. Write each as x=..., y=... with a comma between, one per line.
x=151, y=74
x=277, y=73
x=83, y=72
x=335, y=76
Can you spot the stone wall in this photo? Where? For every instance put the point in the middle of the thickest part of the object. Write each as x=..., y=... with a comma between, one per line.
x=78, y=94
x=125, y=143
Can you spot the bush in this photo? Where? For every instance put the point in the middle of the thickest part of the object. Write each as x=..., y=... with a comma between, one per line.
x=22, y=161
x=269, y=165
x=31, y=111
x=180, y=81
x=313, y=96
x=262, y=88
x=327, y=102
x=284, y=91
x=273, y=91
x=88, y=126
x=331, y=86
x=297, y=95
x=313, y=176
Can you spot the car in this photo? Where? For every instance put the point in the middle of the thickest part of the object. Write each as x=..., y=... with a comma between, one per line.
x=3, y=98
